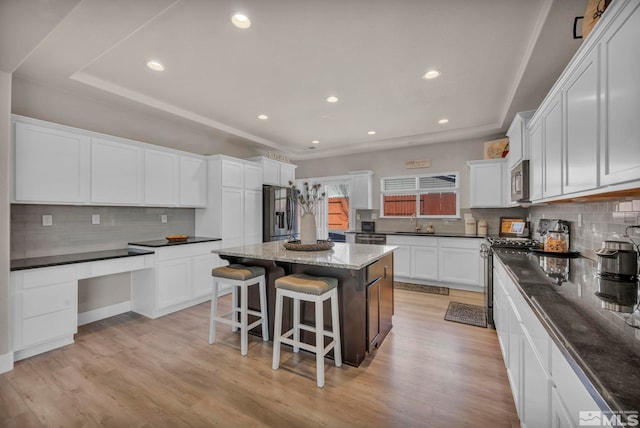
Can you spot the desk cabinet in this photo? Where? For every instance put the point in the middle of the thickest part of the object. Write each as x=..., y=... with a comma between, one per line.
x=45, y=309
x=180, y=278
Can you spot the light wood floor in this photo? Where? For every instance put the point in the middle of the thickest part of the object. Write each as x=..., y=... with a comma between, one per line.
x=131, y=371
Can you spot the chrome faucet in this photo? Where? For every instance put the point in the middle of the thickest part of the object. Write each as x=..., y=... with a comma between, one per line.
x=414, y=219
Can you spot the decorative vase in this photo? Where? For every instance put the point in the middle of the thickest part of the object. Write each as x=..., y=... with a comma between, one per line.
x=308, y=229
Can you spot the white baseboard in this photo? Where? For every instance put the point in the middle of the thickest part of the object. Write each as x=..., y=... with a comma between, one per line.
x=104, y=312
x=6, y=362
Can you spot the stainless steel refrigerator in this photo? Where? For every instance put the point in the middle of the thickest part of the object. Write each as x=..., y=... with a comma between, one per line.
x=279, y=214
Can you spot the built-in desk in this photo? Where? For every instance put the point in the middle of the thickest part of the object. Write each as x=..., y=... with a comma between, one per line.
x=44, y=294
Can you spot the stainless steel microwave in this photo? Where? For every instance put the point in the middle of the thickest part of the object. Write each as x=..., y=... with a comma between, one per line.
x=520, y=182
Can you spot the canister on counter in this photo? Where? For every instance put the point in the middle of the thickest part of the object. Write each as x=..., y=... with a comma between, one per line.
x=482, y=227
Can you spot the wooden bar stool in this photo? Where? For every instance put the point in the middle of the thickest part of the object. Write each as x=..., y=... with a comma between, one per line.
x=239, y=277
x=316, y=289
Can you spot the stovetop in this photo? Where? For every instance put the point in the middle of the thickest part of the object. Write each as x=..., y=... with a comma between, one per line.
x=513, y=242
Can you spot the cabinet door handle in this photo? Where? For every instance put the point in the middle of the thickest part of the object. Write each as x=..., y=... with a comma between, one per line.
x=385, y=272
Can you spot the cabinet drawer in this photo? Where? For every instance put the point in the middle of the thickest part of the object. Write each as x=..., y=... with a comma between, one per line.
x=47, y=327
x=423, y=241
x=187, y=250
x=460, y=243
x=109, y=267
x=569, y=386
x=46, y=300
x=45, y=276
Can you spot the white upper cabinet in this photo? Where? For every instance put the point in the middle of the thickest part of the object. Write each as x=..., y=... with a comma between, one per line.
x=518, y=139
x=287, y=174
x=116, y=173
x=582, y=96
x=252, y=176
x=487, y=183
x=232, y=173
x=57, y=164
x=51, y=165
x=587, y=127
x=274, y=172
x=552, y=146
x=536, y=162
x=620, y=148
x=193, y=182
x=361, y=190
x=160, y=178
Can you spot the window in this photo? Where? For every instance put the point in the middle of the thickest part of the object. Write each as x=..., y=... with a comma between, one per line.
x=431, y=196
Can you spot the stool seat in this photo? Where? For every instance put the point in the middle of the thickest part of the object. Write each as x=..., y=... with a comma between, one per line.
x=238, y=271
x=307, y=284
x=314, y=289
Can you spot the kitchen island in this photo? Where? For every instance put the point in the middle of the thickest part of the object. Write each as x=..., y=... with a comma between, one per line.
x=365, y=288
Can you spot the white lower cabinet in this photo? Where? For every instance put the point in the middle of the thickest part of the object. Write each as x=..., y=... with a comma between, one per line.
x=546, y=389
x=180, y=277
x=424, y=262
x=452, y=262
x=44, y=309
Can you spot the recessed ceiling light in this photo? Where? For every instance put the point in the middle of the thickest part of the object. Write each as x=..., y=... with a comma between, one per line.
x=241, y=20
x=263, y=117
x=315, y=142
x=443, y=121
x=371, y=132
x=431, y=74
x=155, y=65
x=332, y=99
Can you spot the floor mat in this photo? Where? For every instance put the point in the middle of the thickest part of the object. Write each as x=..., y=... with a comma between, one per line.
x=466, y=314
x=433, y=289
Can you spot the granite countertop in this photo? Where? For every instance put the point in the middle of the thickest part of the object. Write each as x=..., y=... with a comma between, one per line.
x=344, y=256
x=597, y=339
x=65, y=259
x=410, y=233
x=164, y=243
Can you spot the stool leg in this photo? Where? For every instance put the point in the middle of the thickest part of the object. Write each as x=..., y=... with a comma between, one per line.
x=234, y=307
x=214, y=312
x=277, y=332
x=263, y=309
x=296, y=324
x=244, y=319
x=335, y=323
x=319, y=343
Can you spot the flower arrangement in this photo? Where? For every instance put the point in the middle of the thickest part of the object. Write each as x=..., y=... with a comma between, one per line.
x=308, y=197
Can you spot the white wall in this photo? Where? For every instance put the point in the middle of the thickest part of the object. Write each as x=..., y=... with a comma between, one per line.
x=445, y=157
x=112, y=115
x=5, y=156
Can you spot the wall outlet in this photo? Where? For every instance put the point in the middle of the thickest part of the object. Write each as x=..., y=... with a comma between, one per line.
x=579, y=220
x=374, y=216
x=47, y=220
x=163, y=218
x=95, y=219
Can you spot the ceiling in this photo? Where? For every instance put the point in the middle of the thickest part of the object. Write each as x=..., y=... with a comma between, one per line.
x=496, y=57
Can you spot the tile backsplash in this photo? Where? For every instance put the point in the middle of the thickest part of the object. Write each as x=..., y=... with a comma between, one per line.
x=601, y=221
x=72, y=231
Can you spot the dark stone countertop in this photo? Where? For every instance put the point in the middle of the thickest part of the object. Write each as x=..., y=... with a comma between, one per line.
x=597, y=339
x=65, y=259
x=164, y=243
x=436, y=234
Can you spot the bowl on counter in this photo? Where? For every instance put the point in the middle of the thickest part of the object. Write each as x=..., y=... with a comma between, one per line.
x=176, y=238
